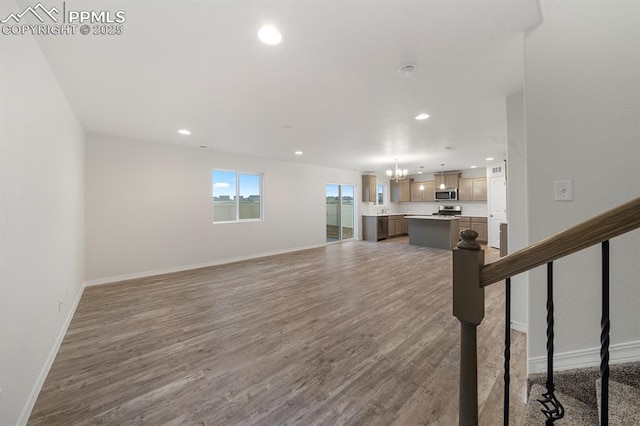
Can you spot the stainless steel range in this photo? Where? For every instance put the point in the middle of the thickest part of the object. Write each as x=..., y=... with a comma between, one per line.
x=449, y=211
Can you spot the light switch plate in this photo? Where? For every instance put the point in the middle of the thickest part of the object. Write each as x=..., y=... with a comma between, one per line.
x=564, y=190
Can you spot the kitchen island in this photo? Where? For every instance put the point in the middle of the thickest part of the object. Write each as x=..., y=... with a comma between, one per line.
x=433, y=231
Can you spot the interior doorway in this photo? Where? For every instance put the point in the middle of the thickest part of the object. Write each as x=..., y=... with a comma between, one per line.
x=340, y=207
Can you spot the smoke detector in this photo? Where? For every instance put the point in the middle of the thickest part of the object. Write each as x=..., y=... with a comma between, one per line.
x=407, y=70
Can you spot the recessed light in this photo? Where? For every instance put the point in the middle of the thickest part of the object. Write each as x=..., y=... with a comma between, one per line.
x=184, y=132
x=298, y=153
x=489, y=158
x=269, y=35
x=420, y=172
x=422, y=116
x=474, y=167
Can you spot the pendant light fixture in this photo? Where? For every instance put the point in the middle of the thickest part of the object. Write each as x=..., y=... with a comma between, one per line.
x=442, y=185
x=398, y=175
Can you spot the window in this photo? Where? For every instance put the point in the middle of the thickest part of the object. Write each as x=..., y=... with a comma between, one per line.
x=236, y=196
x=380, y=194
x=340, y=211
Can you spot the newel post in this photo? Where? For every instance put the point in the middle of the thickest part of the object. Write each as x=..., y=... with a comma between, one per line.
x=468, y=307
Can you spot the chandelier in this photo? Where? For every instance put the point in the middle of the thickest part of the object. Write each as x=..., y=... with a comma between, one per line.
x=399, y=174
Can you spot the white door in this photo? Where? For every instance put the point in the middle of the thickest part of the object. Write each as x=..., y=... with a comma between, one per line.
x=497, y=200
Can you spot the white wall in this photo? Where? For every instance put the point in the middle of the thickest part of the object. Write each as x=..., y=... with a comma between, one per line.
x=148, y=208
x=582, y=111
x=517, y=207
x=41, y=220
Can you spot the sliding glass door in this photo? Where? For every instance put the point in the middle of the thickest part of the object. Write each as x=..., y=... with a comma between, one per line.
x=340, y=202
x=347, y=194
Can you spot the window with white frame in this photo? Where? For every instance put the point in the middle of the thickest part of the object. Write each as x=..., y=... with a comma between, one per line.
x=380, y=194
x=237, y=196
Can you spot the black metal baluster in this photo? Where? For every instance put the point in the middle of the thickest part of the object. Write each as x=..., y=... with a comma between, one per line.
x=507, y=350
x=550, y=325
x=553, y=409
x=604, y=337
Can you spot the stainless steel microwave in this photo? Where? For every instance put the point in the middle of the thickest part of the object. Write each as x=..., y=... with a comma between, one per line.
x=446, y=194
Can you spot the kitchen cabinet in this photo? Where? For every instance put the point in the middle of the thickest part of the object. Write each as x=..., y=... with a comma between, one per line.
x=425, y=194
x=392, y=228
x=400, y=191
x=433, y=231
x=395, y=225
x=480, y=189
x=478, y=224
x=369, y=189
x=464, y=222
x=375, y=228
x=450, y=180
x=416, y=194
x=465, y=190
x=472, y=189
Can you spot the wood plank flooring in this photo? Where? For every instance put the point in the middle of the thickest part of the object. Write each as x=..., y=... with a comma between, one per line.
x=356, y=333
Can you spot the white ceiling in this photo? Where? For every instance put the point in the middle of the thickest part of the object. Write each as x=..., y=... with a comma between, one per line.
x=334, y=78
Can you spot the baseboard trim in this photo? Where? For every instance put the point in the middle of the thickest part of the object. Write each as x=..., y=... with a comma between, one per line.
x=126, y=277
x=518, y=326
x=37, y=387
x=618, y=353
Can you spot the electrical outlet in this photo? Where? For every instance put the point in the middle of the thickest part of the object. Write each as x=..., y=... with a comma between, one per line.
x=563, y=190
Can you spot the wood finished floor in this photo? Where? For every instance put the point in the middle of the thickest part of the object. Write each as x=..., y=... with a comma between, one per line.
x=356, y=333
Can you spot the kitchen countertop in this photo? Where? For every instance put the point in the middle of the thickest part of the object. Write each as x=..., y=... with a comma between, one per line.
x=418, y=214
x=383, y=214
x=433, y=217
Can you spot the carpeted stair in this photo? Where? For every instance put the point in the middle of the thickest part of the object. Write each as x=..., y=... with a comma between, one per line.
x=579, y=393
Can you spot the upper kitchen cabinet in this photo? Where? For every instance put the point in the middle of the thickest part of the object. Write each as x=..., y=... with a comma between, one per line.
x=450, y=180
x=472, y=189
x=369, y=189
x=400, y=191
x=480, y=189
x=423, y=191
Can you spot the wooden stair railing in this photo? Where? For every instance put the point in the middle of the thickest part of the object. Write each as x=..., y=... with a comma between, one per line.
x=471, y=275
